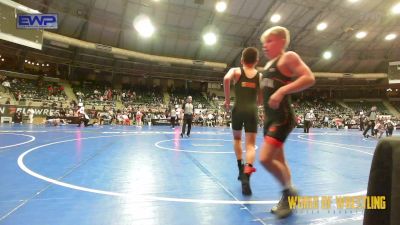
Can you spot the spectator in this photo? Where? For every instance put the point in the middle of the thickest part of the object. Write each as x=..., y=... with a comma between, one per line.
x=389, y=127
x=139, y=118
x=18, y=96
x=173, y=117
x=326, y=121
x=210, y=118
x=18, y=117
x=30, y=113
x=50, y=90
x=6, y=84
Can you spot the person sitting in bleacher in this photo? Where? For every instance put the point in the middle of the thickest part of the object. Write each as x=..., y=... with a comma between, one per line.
x=6, y=83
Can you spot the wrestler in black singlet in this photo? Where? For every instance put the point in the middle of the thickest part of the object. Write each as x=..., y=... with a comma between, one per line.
x=278, y=123
x=244, y=111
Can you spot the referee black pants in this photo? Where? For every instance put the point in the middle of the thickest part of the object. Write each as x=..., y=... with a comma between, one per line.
x=187, y=119
x=173, y=121
x=307, y=125
x=371, y=125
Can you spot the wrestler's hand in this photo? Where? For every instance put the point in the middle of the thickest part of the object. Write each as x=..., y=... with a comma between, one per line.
x=275, y=99
x=227, y=105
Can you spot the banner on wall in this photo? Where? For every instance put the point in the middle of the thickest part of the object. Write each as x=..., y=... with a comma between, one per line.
x=10, y=110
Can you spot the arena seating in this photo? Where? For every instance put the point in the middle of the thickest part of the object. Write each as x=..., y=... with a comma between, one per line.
x=30, y=90
x=94, y=94
x=366, y=106
x=180, y=94
x=320, y=107
x=396, y=105
x=131, y=95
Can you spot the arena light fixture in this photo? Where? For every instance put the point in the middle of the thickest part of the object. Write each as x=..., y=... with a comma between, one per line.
x=396, y=8
x=361, y=34
x=275, y=18
x=220, y=6
x=210, y=38
x=353, y=1
x=390, y=37
x=327, y=55
x=144, y=26
x=322, y=26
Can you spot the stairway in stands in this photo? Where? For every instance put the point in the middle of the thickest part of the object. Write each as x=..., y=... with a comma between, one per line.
x=68, y=90
x=166, y=98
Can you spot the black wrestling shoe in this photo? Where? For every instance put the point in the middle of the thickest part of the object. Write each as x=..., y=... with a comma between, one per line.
x=247, y=171
x=246, y=189
x=241, y=167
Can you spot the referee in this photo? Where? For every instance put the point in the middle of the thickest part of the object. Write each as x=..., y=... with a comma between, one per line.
x=187, y=116
x=308, y=119
x=371, y=116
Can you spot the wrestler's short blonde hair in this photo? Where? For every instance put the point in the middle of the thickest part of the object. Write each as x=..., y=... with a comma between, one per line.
x=279, y=31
